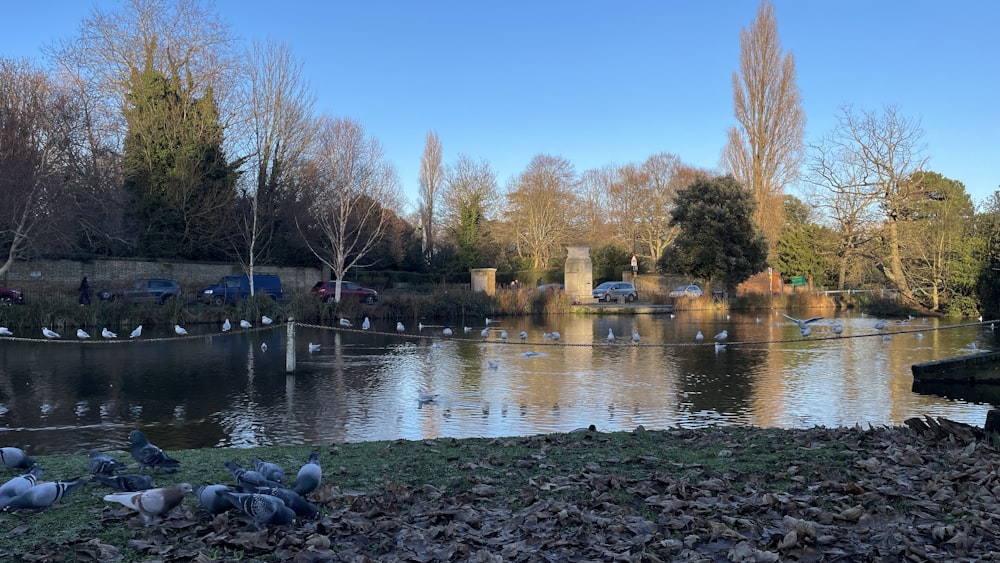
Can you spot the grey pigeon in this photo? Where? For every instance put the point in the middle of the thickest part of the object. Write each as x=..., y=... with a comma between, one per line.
x=148, y=455
x=309, y=475
x=270, y=471
x=125, y=483
x=292, y=500
x=15, y=458
x=249, y=478
x=45, y=494
x=103, y=464
x=18, y=485
x=264, y=509
x=154, y=503
x=210, y=499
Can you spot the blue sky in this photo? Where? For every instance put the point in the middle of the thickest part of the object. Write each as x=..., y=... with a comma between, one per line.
x=610, y=82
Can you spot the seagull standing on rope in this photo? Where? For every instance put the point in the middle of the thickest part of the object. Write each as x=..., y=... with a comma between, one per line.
x=136, y=333
x=50, y=334
x=266, y=320
x=366, y=324
x=226, y=326
x=245, y=324
x=346, y=323
x=107, y=333
x=82, y=334
x=180, y=330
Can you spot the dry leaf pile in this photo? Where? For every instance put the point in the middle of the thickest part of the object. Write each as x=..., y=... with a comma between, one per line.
x=924, y=492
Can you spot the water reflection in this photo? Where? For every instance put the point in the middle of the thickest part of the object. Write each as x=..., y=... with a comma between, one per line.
x=223, y=390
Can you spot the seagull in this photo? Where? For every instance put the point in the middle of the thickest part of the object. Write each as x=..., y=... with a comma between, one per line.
x=180, y=330
x=366, y=324
x=107, y=333
x=805, y=331
x=699, y=336
x=503, y=335
x=82, y=334
x=722, y=335
x=50, y=333
x=488, y=321
x=719, y=347
x=420, y=326
x=263, y=346
x=245, y=324
x=838, y=329
x=494, y=364
x=226, y=326
x=266, y=320
x=313, y=347
x=886, y=338
x=802, y=322
x=919, y=336
x=447, y=331
x=424, y=398
x=611, y=335
x=880, y=325
x=466, y=329
x=399, y=326
x=136, y=333
x=635, y=336
x=523, y=335
x=347, y=323
x=485, y=333
x=4, y=331
x=546, y=335
x=555, y=335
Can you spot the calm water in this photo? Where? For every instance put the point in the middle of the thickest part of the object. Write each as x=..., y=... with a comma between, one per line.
x=222, y=390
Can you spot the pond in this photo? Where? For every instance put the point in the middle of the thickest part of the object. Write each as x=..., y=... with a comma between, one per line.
x=221, y=389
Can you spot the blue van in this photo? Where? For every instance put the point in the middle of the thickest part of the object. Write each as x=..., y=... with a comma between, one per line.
x=231, y=289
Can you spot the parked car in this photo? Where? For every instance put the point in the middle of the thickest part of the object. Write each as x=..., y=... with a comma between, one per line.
x=10, y=296
x=686, y=291
x=610, y=291
x=557, y=287
x=348, y=290
x=144, y=290
x=232, y=289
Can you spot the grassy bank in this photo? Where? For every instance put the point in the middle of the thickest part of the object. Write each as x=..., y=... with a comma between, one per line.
x=676, y=495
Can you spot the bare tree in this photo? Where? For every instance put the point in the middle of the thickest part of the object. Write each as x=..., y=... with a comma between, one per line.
x=431, y=178
x=765, y=150
x=277, y=131
x=39, y=131
x=593, y=193
x=353, y=193
x=542, y=209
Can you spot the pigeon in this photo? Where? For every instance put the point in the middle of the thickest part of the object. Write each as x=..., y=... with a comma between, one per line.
x=722, y=335
x=130, y=482
x=210, y=499
x=309, y=476
x=15, y=458
x=103, y=464
x=366, y=324
x=82, y=334
x=245, y=324
x=152, y=504
x=136, y=333
x=271, y=471
x=50, y=334
x=227, y=326
x=399, y=327
x=699, y=336
x=313, y=347
x=447, y=331
x=346, y=323
x=107, y=333
x=802, y=322
x=523, y=335
x=264, y=509
x=249, y=478
x=292, y=500
x=148, y=455
x=266, y=320
x=4, y=331
x=263, y=346
x=611, y=335
x=18, y=485
x=180, y=330
x=44, y=494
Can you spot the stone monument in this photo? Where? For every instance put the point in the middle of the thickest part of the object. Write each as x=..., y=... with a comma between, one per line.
x=484, y=279
x=579, y=274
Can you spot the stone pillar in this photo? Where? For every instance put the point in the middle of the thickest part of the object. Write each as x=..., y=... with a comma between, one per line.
x=579, y=274
x=484, y=279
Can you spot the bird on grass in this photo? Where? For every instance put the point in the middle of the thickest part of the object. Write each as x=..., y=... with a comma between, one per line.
x=210, y=500
x=103, y=464
x=136, y=333
x=18, y=485
x=226, y=326
x=50, y=334
x=309, y=476
x=148, y=455
x=180, y=330
x=152, y=504
x=107, y=333
x=263, y=509
x=15, y=458
x=129, y=482
x=4, y=331
x=249, y=477
x=82, y=334
x=271, y=471
x=245, y=324
x=293, y=500
x=42, y=495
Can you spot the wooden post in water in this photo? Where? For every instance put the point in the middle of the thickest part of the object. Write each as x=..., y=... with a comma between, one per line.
x=290, y=347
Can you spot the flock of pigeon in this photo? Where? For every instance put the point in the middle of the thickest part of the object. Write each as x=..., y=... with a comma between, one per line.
x=259, y=493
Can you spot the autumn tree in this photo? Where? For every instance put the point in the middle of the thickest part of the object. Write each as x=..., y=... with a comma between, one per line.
x=542, y=209
x=468, y=198
x=353, y=191
x=431, y=180
x=765, y=149
x=718, y=239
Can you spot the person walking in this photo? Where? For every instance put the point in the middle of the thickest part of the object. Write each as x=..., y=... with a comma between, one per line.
x=84, y=291
x=635, y=265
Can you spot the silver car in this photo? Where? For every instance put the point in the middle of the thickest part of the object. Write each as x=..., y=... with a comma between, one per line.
x=686, y=291
x=611, y=291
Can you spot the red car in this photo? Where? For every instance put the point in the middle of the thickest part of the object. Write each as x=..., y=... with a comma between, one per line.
x=348, y=290
x=10, y=296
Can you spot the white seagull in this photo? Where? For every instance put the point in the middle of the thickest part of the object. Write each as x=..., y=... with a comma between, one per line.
x=245, y=324
x=485, y=333
x=347, y=323
x=699, y=336
x=50, y=333
x=313, y=347
x=802, y=322
x=447, y=331
x=635, y=336
x=805, y=331
x=611, y=335
x=555, y=335
x=180, y=330
x=488, y=321
x=4, y=331
x=424, y=397
x=494, y=364
x=136, y=333
x=399, y=326
x=420, y=326
x=226, y=326
x=503, y=335
x=722, y=335
x=524, y=334
x=880, y=325
x=838, y=329
x=263, y=346
x=366, y=324
x=82, y=334
x=719, y=347
x=266, y=320
x=107, y=333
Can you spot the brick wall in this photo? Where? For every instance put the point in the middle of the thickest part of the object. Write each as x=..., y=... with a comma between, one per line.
x=44, y=277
